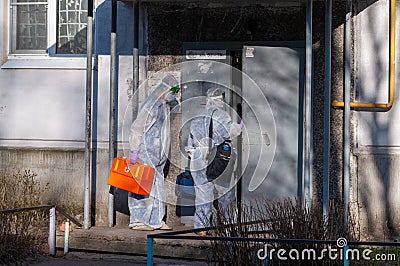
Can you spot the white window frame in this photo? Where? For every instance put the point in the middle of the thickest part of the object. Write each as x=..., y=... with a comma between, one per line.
x=14, y=27
x=49, y=59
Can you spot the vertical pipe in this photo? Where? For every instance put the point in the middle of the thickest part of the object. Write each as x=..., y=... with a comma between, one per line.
x=345, y=256
x=307, y=179
x=346, y=113
x=135, y=94
x=327, y=104
x=88, y=122
x=149, y=251
x=66, y=237
x=113, y=88
x=52, y=232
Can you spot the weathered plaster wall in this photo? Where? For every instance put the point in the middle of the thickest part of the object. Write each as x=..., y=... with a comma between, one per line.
x=42, y=114
x=171, y=25
x=377, y=132
x=338, y=10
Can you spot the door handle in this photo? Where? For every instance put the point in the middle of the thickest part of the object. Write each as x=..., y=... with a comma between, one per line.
x=266, y=138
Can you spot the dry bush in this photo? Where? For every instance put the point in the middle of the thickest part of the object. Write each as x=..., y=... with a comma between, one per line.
x=283, y=219
x=21, y=233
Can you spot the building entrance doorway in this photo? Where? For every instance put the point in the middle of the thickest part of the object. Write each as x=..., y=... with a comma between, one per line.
x=270, y=151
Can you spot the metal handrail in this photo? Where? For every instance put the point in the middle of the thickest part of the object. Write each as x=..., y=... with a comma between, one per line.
x=52, y=225
x=180, y=235
x=58, y=208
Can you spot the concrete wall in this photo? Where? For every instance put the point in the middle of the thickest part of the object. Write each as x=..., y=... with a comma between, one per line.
x=42, y=108
x=42, y=113
x=376, y=133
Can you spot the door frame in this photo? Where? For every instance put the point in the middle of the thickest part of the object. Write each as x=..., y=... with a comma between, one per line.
x=238, y=45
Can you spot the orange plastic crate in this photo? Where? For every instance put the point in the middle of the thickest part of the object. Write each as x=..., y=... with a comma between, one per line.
x=137, y=178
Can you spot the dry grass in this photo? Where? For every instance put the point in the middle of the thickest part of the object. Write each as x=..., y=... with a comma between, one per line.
x=21, y=233
x=284, y=219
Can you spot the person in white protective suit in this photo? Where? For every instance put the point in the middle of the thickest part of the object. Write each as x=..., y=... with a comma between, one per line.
x=149, y=142
x=223, y=129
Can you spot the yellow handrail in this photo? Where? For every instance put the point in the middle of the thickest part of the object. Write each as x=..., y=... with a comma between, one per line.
x=337, y=104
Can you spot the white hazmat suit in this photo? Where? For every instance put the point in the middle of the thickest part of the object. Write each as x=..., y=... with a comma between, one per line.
x=223, y=129
x=149, y=140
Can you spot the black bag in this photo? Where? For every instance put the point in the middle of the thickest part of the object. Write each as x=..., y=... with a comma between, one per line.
x=184, y=190
x=223, y=159
x=120, y=200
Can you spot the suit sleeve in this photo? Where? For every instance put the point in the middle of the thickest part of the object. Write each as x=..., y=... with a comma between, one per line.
x=139, y=127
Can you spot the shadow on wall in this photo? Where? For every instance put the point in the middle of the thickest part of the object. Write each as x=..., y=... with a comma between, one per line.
x=377, y=173
x=102, y=39
x=76, y=46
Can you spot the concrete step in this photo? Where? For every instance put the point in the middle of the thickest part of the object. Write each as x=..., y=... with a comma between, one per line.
x=121, y=239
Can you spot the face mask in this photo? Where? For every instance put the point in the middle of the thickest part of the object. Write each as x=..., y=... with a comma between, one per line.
x=173, y=104
x=173, y=100
x=170, y=97
x=173, y=97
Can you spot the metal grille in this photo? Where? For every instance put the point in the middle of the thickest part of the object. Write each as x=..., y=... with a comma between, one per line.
x=29, y=18
x=72, y=24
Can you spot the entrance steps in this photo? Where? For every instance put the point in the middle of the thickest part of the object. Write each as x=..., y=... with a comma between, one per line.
x=122, y=240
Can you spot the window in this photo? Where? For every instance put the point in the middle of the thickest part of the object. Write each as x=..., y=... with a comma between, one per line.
x=29, y=26
x=71, y=23
x=48, y=27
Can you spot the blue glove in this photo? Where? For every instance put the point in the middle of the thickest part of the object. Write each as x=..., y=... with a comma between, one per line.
x=133, y=157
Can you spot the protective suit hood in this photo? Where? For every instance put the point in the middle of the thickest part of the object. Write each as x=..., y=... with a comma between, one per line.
x=215, y=98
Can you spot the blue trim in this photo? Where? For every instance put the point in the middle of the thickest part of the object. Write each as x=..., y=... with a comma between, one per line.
x=345, y=259
x=150, y=251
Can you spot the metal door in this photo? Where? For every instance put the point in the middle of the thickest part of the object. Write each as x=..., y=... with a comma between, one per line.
x=273, y=144
x=202, y=69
